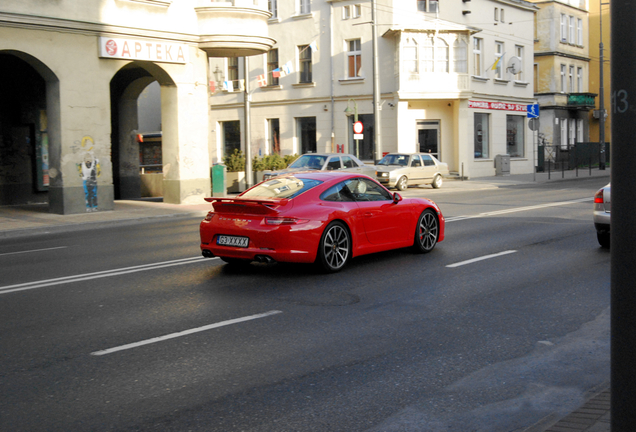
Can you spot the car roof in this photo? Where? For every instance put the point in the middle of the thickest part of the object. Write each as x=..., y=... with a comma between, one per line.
x=325, y=175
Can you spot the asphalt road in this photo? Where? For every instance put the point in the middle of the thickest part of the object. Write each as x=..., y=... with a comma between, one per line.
x=504, y=323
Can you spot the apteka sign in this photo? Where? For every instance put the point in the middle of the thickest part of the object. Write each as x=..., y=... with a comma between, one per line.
x=148, y=50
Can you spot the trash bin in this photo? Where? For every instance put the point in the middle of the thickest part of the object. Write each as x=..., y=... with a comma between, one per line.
x=502, y=165
x=219, y=180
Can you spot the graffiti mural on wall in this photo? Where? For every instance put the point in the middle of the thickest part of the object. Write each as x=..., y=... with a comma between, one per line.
x=89, y=169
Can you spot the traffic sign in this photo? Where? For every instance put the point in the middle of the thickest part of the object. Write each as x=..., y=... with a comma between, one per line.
x=533, y=111
x=357, y=127
x=533, y=124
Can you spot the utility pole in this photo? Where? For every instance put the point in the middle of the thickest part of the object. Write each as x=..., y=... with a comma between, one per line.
x=623, y=231
x=601, y=91
x=249, y=175
x=377, y=147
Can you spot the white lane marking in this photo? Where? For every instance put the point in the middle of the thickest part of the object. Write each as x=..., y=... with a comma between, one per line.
x=34, y=250
x=185, y=332
x=485, y=257
x=97, y=275
x=517, y=209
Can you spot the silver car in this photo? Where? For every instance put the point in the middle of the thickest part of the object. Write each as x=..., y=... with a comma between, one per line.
x=325, y=162
x=400, y=170
x=602, y=209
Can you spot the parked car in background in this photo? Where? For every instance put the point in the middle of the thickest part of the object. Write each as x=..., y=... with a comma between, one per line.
x=325, y=162
x=602, y=212
x=401, y=170
x=322, y=217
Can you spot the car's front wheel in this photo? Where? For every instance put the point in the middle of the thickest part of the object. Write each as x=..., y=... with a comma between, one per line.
x=402, y=183
x=335, y=247
x=426, y=232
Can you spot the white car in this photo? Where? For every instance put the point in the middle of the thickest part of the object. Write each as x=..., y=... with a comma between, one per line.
x=400, y=170
x=325, y=162
x=602, y=212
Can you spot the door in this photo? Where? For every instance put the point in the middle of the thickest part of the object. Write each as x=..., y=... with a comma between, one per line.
x=428, y=137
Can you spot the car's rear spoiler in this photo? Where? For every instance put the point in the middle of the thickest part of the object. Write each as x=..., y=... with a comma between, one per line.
x=237, y=200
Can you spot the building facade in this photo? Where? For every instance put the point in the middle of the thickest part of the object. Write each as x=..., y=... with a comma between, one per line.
x=71, y=75
x=600, y=20
x=562, y=70
x=454, y=79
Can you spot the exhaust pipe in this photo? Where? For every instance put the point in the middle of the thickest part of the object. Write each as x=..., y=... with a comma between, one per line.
x=206, y=253
x=264, y=259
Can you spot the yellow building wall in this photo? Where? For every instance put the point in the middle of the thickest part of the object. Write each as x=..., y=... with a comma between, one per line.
x=594, y=71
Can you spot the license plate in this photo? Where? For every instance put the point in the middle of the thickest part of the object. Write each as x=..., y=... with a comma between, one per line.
x=225, y=240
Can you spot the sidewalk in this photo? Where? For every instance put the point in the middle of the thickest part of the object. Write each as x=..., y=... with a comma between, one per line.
x=28, y=220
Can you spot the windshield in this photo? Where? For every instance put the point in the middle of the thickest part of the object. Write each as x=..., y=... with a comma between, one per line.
x=281, y=187
x=395, y=159
x=309, y=162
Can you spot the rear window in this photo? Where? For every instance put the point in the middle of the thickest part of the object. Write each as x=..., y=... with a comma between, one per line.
x=281, y=187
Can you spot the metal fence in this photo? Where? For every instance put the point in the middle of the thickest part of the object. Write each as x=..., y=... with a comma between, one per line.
x=572, y=157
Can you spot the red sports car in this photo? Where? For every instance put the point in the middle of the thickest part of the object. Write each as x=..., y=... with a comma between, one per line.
x=321, y=217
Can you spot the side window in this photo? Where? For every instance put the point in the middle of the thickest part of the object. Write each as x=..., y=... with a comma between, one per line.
x=333, y=164
x=367, y=190
x=339, y=192
x=416, y=161
x=427, y=160
x=348, y=162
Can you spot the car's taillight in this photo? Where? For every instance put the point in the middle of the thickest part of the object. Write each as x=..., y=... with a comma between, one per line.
x=284, y=221
x=209, y=216
x=598, y=197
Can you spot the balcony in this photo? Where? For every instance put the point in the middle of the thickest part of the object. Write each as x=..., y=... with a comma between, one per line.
x=233, y=28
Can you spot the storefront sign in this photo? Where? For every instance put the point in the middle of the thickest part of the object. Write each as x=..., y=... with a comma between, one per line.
x=497, y=106
x=149, y=50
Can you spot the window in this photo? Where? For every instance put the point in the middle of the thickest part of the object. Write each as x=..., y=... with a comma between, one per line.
x=501, y=15
x=499, y=52
x=354, y=57
x=304, y=61
x=272, y=7
x=496, y=14
x=272, y=63
x=346, y=12
x=231, y=138
x=428, y=5
x=477, y=58
x=482, y=136
x=274, y=136
x=515, y=135
x=572, y=38
x=357, y=11
x=579, y=80
x=579, y=32
x=579, y=130
x=441, y=55
x=564, y=133
x=563, y=79
x=306, y=134
x=572, y=131
x=519, y=53
x=571, y=79
x=333, y=163
x=460, y=57
x=564, y=28
x=428, y=55
x=409, y=54
x=233, y=70
x=305, y=6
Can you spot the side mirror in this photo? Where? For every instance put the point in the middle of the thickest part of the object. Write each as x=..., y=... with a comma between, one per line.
x=397, y=198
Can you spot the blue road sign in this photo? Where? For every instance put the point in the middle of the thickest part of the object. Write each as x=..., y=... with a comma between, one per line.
x=533, y=111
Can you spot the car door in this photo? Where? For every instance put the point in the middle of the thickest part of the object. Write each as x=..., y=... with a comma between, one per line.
x=430, y=169
x=350, y=165
x=384, y=220
x=333, y=163
x=416, y=170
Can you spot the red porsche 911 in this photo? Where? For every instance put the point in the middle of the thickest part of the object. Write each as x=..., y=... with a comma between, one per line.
x=322, y=217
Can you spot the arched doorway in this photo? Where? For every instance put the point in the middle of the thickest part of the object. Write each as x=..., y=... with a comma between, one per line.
x=29, y=129
x=125, y=88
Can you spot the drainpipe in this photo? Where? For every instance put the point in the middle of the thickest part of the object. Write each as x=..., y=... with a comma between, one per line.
x=249, y=176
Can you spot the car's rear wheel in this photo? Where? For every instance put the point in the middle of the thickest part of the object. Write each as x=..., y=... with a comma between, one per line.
x=426, y=232
x=437, y=182
x=335, y=247
x=402, y=183
x=603, y=239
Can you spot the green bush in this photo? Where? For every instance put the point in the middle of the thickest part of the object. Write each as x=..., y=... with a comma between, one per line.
x=236, y=162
